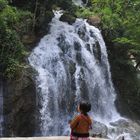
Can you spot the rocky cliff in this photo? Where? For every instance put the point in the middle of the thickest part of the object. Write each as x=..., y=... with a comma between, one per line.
x=20, y=105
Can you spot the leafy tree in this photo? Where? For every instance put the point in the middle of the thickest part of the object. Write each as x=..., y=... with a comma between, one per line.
x=122, y=19
x=12, y=27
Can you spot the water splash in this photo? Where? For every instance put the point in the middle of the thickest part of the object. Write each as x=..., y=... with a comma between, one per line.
x=78, y=2
x=72, y=64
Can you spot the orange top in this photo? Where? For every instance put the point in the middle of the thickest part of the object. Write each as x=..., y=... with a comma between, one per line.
x=81, y=124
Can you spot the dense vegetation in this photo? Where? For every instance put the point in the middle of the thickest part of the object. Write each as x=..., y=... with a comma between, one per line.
x=120, y=22
x=13, y=24
x=120, y=25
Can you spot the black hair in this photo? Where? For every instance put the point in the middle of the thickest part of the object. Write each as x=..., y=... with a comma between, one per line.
x=84, y=107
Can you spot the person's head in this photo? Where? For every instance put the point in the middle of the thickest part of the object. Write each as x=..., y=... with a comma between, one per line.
x=84, y=107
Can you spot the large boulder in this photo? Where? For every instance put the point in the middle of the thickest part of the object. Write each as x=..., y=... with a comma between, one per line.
x=68, y=18
x=94, y=20
x=20, y=105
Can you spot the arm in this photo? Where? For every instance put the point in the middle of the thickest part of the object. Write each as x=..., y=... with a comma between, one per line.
x=74, y=122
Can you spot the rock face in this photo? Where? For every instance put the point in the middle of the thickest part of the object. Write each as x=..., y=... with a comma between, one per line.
x=20, y=105
x=125, y=80
x=42, y=24
x=98, y=129
x=94, y=20
x=68, y=18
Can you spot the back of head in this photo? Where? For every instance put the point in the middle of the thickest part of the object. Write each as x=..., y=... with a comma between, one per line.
x=85, y=107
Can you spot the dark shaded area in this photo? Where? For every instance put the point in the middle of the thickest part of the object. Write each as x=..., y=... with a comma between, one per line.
x=68, y=18
x=125, y=79
x=20, y=100
x=23, y=4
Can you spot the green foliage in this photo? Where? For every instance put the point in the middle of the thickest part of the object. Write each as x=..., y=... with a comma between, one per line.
x=12, y=50
x=66, y=5
x=119, y=22
x=13, y=66
x=84, y=12
x=3, y=4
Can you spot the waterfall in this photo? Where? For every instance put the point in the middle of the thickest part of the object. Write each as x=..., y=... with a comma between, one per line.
x=1, y=108
x=78, y=2
x=72, y=64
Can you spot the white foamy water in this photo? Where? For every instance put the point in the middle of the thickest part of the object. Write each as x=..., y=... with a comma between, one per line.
x=78, y=2
x=72, y=65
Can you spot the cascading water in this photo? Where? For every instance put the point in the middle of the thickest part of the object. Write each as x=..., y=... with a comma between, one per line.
x=1, y=108
x=72, y=64
x=78, y=2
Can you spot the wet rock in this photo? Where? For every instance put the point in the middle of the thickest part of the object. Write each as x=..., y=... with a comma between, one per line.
x=79, y=58
x=85, y=1
x=77, y=46
x=121, y=122
x=83, y=86
x=42, y=24
x=64, y=46
x=125, y=128
x=68, y=18
x=72, y=67
x=88, y=47
x=82, y=33
x=98, y=129
x=97, y=51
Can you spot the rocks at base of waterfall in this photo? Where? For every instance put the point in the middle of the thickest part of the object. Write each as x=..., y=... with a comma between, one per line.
x=20, y=104
x=126, y=128
x=118, y=130
x=68, y=18
x=121, y=123
x=99, y=130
